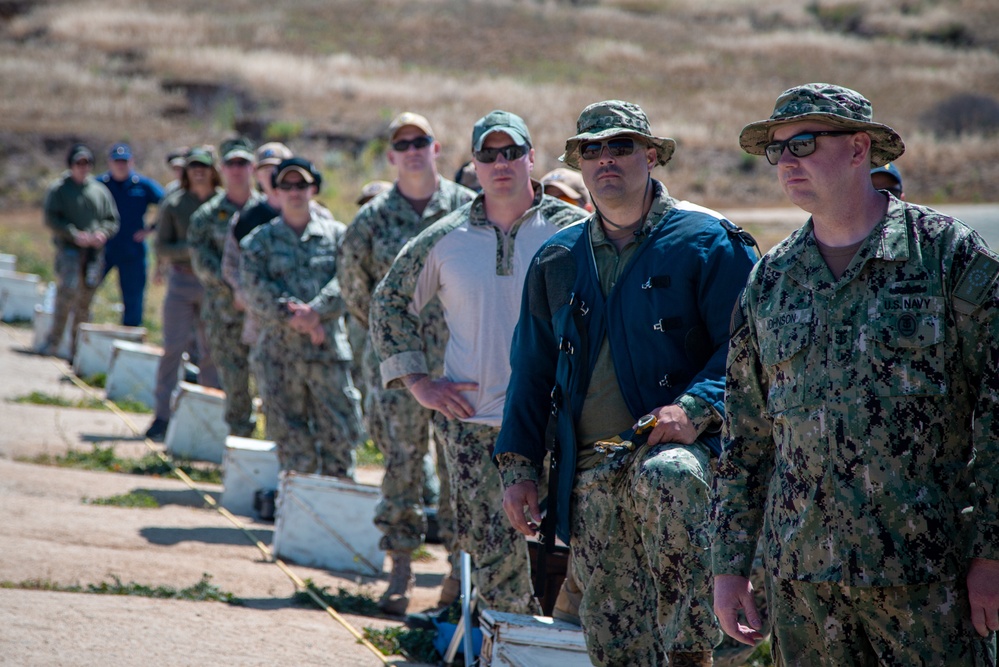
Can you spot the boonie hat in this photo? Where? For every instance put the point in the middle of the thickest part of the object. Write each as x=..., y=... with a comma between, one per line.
x=240, y=147
x=889, y=169
x=500, y=121
x=302, y=166
x=409, y=118
x=200, y=155
x=120, y=151
x=271, y=154
x=608, y=119
x=835, y=105
x=372, y=190
x=569, y=182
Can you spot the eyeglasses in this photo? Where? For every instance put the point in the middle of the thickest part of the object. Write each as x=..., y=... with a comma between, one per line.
x=618, y=147
x=800, y=145
x=489, y=155
x=300, y=185
x=403, y=145
x=238, y=162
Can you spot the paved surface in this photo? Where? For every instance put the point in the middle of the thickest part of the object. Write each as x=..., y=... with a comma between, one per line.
x=52, y=536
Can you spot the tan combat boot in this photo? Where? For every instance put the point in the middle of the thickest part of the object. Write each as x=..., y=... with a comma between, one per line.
x=567, y=603
x=450, y=590
x=401, y=580
x=691, y=659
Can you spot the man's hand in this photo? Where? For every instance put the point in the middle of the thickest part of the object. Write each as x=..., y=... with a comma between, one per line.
x=142, y=234
x=444, y=396
x=673, y=426
x=515, y=499
x=303, y=318
x=983, y=594
x=732, y=594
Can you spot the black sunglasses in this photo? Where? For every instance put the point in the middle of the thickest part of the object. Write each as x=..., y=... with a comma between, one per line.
x=511, y=153
x=618, y=147
x=800, y=145
x=403, y=145
x=301, y=185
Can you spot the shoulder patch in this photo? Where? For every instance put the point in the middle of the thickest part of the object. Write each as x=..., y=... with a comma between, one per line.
x=975, y=285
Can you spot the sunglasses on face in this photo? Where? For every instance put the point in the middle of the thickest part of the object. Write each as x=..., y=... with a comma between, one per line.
x=403, y=145
x=800, y=145
x=301, y=185
x=619, y=147
x=489, y=155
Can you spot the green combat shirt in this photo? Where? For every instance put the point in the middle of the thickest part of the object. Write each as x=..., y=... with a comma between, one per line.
x=860, y=423
x=71, y=207
x=278, y=265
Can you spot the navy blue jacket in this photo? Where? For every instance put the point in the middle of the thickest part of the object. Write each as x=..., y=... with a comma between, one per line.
x=667, y=318
x=132, y=196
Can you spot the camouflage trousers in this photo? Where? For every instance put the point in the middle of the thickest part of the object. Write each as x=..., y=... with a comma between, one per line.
x=402, y=429
x=78, y=274
x=502, y=564
x=224, y=327
x=640, y=551
x=826, y=624
x=313, y=412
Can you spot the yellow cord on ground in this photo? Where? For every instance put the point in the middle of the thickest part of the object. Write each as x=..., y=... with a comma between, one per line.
x=266, y=550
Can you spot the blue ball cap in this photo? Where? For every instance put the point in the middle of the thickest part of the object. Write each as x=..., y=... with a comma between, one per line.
x=891, y=170
x=120, y=151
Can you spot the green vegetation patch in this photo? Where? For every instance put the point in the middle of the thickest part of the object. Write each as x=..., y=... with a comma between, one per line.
x=368, y=455
x=203, y=591
x=343, y=601
x=105, y=459
x=43, y=398
x=416, y=645
x=132, y=499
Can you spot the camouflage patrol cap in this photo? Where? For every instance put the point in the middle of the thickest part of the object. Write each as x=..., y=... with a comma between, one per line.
x=831, y=104
x=610, y=118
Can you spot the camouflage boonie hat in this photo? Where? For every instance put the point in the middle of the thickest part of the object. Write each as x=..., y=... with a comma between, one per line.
x=610, y=118
x=835, y=105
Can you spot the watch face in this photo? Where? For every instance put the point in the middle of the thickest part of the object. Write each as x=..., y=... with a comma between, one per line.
x=646, y=424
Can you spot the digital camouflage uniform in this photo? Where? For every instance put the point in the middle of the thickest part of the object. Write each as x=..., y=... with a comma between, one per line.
x=860, y=426
x=500, y=553
x=314, y=412
x=397, y=423
x=69, y=207
x=223, y=323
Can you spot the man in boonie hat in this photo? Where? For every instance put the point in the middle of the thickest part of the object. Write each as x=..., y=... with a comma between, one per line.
x=289, y=277
x=223, y=321
x=859, y=412
x=397, y=423
x=473, y=262
x=626, y=316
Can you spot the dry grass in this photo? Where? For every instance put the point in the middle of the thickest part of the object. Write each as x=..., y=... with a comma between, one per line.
x=327, y=75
